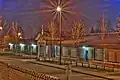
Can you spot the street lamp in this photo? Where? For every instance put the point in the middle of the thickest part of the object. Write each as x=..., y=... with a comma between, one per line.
x=59, y=9
x=68, y=68
x=18, y=36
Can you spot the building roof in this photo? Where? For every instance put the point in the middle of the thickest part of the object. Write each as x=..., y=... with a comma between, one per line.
x=109, y=41
x=28, y=41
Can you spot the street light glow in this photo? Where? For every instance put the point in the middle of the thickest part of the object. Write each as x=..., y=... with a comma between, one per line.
x=10, y=44
x=33, y=45
x=19, y=34
x=22, y=45
x=20, y=37
x=1, y=28
x=55, y=7
x=84, y=47
x=58, y=9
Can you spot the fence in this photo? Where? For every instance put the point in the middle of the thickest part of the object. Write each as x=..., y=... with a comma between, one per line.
x=93, y=64
x=12, y=72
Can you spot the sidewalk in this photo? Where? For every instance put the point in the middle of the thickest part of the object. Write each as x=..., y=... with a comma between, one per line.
x=83, y=70
x=88, y=71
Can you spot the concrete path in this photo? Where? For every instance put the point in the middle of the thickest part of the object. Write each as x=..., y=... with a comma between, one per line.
x=49, y=70
x=87, y=71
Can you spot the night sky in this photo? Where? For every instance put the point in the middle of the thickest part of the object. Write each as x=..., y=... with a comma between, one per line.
x=22, y=11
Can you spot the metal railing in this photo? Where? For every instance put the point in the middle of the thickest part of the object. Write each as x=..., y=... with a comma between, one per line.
x=12, y=72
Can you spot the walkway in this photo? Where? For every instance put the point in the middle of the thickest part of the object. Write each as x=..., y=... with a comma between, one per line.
x=49, y=70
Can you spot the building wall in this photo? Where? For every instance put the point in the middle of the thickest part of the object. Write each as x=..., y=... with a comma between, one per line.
x=50, y=50
x=113, y=55
x=118, y=56
x=90, y=52
x=73, y=52
x=22, y=48
x=34, y=49
x=42, y=50
x=11, y=47
x=99, y=55
x=65, y=51
x=109, y=55
x=82, y=53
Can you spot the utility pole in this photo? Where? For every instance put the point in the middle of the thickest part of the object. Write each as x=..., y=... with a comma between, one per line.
x=68, y=67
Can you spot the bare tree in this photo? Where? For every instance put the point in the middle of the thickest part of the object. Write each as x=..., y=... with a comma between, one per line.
x=92, y=30
x=78, y=33
x=3, y=25
x=78, y=30
x=52, y=28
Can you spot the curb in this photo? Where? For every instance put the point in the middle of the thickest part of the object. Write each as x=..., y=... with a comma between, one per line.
x=74, y=70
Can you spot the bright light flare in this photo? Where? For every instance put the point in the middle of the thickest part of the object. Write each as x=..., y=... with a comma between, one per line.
x=1, y=28
x=11, y=44
x=54, y=6
x=84, y=47
x=22, y=45
x=19, y=34
x=33, y=45
x=20, y=37
x=58, y=9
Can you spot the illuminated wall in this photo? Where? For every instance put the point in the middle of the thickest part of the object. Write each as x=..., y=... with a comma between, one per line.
x=42, y=50
x=22, y=47
x=11, y=46
x=65, y=51
x=82, y=52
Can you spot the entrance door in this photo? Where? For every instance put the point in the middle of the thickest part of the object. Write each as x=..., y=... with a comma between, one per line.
x=86, y=55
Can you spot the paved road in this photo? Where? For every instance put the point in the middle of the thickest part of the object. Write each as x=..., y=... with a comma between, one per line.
x=48, y=70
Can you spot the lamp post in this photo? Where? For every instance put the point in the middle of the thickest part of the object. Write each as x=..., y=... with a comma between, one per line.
x=18, y=36
x=59, y=9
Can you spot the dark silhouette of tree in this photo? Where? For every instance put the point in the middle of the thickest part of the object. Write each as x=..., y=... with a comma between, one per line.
x=92, y=30
x=109, y=26
x=118, y=24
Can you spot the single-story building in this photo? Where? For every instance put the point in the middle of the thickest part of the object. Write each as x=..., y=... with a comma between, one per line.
x=92, y=47
x=24, y=46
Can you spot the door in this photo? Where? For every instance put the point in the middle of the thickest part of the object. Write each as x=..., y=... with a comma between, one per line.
x=86, y=55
